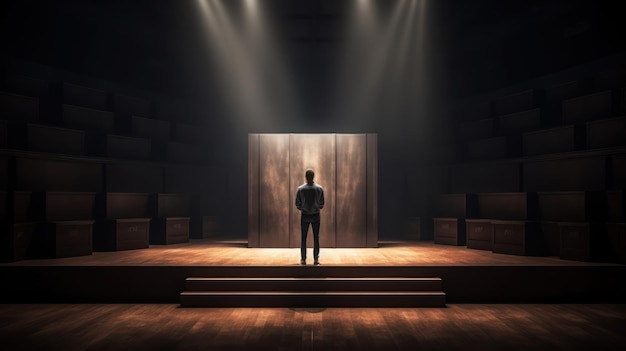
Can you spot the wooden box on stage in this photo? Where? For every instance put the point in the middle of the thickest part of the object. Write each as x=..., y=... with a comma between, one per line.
x=479, y=234
x=551, y=234
x=169, y=230
x=412, y=231
x=67, y=226
x=122, y=234
x=450, y=231
x=617, y=240
x=16, y=225
x=65, y=238
x=583, y=241
x=517, y=238
x=123, y=221
x=17, y=240
x=203, y=227
x=170, y=223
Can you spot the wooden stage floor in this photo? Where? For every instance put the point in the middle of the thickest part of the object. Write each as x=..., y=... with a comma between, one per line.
x=236, y=253
x=158, y=273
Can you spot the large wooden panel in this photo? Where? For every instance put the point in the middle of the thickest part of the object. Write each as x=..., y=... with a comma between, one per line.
x=351, y=190
x=274, y=191
x=253, y=190
x=583, y=173
x=316, y=151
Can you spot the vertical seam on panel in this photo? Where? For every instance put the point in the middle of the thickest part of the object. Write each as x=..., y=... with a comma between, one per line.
x=290, y=218
x=335, y=191
x=258, y=198
x=367, y=195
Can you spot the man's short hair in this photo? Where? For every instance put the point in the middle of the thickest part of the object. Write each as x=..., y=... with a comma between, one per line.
x=309, y=173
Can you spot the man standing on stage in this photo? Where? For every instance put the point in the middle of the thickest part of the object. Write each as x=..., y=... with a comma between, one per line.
x=309, y=201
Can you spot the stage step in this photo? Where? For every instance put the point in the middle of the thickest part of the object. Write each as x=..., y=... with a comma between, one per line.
x=313, y=292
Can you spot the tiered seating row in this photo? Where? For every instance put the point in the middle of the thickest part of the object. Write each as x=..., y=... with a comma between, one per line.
x=581, y=114
x=62, y=206
x=575, y=225
x=93, y=122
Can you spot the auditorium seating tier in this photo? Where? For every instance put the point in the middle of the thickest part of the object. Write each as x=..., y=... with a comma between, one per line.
x=519, y=122
x=606, y=133
x=78, y=95
x=587, y=107
x=18, y=108
x=552, y=140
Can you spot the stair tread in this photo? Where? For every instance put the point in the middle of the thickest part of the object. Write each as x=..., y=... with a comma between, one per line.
x=313, y=279
x=381, y=293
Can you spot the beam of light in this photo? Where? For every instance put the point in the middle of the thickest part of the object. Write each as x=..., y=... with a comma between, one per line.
x=247, y=63
x=370, y=47
x=381, y=77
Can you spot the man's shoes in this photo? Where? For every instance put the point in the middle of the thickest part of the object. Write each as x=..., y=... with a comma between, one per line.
x=317, y=262
x=303, y=261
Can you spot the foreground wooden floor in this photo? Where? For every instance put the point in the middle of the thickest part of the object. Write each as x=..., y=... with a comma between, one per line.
x=210, y=253
x=169, y=327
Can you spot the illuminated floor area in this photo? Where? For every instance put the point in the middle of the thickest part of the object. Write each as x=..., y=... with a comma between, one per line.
x=225, y=252
x=168, y=327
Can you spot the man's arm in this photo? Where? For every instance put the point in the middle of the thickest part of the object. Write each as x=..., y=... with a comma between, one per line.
x=298, y=201
x=321, y=198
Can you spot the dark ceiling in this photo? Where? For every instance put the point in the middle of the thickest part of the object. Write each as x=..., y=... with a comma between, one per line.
x=158, y=45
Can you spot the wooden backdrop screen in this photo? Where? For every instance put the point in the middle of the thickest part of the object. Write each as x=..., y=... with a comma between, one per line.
x=346, y=165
